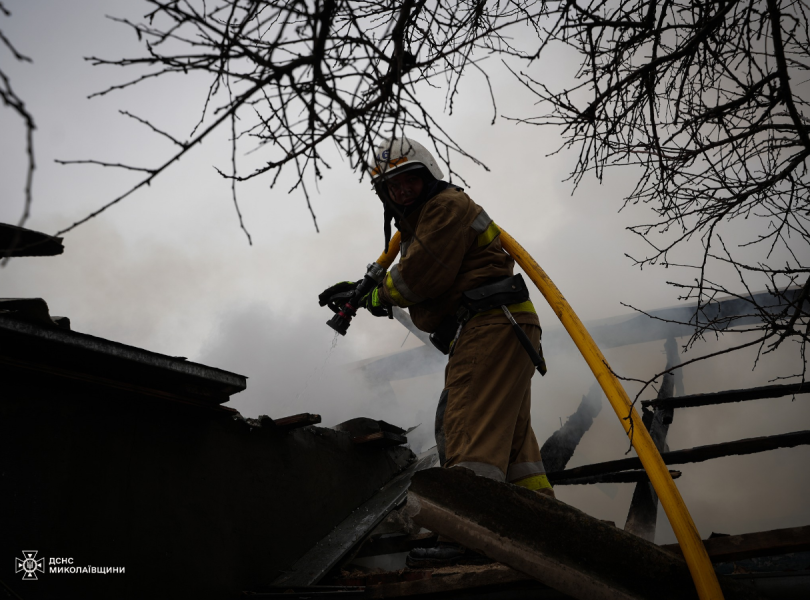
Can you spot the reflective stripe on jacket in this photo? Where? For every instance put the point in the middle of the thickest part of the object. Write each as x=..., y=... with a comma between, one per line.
x=456, y=247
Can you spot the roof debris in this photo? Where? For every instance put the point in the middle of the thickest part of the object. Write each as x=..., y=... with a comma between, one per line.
x=18, y=241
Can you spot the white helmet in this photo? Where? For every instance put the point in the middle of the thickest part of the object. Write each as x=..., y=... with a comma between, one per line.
x=397, y=155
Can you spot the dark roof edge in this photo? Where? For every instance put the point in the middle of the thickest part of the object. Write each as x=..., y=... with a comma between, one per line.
x=91, y=343
x=16, y=241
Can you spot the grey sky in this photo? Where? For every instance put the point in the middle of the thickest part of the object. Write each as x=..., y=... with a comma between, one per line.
x=169, y=270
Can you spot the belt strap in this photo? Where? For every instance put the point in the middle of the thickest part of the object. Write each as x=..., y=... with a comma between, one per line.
x=526, y=306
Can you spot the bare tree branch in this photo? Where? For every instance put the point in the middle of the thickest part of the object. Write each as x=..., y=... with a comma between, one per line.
x=709, y=102
x=15, y=103
x=293, y=76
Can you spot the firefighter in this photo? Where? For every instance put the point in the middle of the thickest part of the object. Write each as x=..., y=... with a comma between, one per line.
x=451, y=246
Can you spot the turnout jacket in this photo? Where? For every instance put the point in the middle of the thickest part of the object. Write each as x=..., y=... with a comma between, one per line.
x=449, y=246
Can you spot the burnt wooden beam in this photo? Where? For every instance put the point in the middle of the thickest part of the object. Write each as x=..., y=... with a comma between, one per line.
x=692, y=455
x=306, y=592
x=494, y=577
x=372, y=433
x=752, y=545
x=321, y=558
x=551, y=541
x=381, y=439
x=392, y=544
x=561, y=445
x=296, y=421
x=643, y=513
x=757, y=393
x=380, y=577
x=619, y=477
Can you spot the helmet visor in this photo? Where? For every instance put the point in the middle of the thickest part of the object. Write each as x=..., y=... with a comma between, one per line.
x=396, y=170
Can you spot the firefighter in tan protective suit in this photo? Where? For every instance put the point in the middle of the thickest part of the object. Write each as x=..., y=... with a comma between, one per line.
x=451, y=246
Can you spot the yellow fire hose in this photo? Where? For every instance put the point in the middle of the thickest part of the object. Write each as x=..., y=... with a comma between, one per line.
x=387, y=258
x=708, y=588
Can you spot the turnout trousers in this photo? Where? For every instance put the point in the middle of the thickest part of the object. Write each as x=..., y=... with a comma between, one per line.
x=483, y=421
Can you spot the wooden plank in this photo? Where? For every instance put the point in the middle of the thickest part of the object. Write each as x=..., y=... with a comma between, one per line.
x=393, y=544
x=306, y=592
x=561, y=445
x=757, y=393
x=549, y=540
x=311, y=568
x=381, y=439
x=620, y=477
x=473, y=577
x=692, y=455
x=383, y=577
x=643, y=513
x=752, y=545
x=296, y=421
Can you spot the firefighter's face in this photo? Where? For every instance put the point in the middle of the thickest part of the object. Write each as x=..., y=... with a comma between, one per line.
x=405, y=188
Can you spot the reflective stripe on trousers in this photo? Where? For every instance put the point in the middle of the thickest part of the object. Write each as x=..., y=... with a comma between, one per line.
x=525, y=469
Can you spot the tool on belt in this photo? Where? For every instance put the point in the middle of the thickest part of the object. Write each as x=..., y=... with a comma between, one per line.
x=497, y=295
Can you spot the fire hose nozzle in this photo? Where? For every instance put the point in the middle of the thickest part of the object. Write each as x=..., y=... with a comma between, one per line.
x=375, y=272
x=340, y=321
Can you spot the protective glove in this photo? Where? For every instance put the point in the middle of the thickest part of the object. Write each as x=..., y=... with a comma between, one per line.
x=336, y=296
x=374, y=304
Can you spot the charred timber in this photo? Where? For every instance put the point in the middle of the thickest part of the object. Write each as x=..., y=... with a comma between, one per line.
x=297, y=421
x=549, y=540
x=757, y=393
x=381, y=439
x=753, y=545
x=643, y=514
x=476, y=581
x=692, y=455
x=392, y=544
x=560, y=447
x=326, y=554
x=619, y=477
